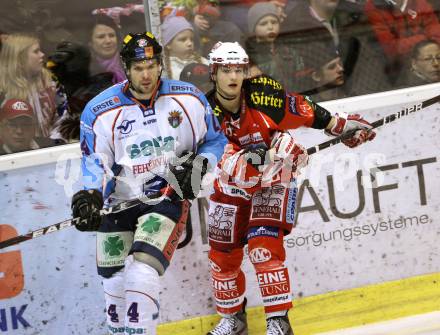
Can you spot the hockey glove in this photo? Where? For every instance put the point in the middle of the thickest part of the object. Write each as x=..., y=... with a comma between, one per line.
x=285, y=149
x=193, y=167
x=355, y=124
x=86, y=205
x=255, y=156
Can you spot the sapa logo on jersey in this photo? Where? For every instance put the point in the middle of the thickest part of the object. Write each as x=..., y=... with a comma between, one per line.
x=260, y=255
x=106, y=104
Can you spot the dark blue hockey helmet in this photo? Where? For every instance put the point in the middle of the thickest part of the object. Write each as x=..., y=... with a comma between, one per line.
x=140, y=46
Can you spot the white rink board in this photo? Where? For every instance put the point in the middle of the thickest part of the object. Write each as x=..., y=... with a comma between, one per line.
x=63, y=292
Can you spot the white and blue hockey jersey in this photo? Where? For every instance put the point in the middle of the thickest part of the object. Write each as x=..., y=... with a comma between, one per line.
x=127, y=145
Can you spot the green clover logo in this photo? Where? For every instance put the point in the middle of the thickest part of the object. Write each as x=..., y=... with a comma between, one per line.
x=113, y=246
x=152, y=225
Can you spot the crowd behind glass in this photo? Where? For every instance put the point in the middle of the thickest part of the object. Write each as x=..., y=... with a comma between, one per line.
x=55, y=56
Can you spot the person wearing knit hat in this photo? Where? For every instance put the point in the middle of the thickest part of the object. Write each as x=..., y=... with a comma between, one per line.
x=263, y=10
x=266, y=54
x=18, y=127
x=178, y=39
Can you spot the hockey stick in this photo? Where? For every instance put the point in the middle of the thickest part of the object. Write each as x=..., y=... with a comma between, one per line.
x=168, y=192
x=378, y=123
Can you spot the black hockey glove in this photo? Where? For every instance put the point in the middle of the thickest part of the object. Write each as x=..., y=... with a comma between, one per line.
x=195, y=166
x=86, y=205
x=255, y=156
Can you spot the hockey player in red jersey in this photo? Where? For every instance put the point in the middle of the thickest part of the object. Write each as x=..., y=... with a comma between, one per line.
x=254, y=194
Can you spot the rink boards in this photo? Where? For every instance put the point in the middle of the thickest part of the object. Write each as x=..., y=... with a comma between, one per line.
x=360, y=253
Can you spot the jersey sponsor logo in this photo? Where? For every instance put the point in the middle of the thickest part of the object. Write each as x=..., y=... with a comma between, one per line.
x=291, y=202
x=151, y=165
x=274, y=282
x=263, y=231
x=148, y=112
x=272, y=277
x=292, y=105
x=106, y=104
x=267, y=204
x=225, y=289
x=126, y=126
x=181, y=88
x=175, y=118
x=221, y=221
x=156, y=146
x=151, y=121
x=224, y=285
x=267, y=81
x=214, y=266
x=235, y=191
x=251, y=138
x=259, y=255
x=261, y=99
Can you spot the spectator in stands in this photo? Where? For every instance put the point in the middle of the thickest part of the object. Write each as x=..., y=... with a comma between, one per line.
x=236, y=10
x=24, y=77
x=324, y=72
x=104, y=40
x=312, y=19
x=266, y=54
x=424, y=66
x=197, y=74
x=70, y=63
x=209, y=28
x=18, y=128
x=399, y=25
x=178, y=41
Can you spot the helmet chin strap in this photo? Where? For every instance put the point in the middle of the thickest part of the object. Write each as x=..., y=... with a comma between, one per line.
x=223, y=96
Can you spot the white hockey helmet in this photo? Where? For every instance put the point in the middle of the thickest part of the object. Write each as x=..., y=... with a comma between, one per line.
x=227, y=53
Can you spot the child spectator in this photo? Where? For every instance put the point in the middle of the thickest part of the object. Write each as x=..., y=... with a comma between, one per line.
x=24, y=77
x=424, y=66
x=104, y=40
x=209, y=28
x=178, y=41
x=399, y=25
x=266, y=54
x=18, y=128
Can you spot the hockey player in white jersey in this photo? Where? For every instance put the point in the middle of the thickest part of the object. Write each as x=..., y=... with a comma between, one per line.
x=130, y=134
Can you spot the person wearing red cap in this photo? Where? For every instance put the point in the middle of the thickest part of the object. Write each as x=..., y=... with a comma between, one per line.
x=209, y=28
x=18, y=127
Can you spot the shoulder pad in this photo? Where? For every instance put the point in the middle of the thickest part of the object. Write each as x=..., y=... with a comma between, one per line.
x=265, y=94
x=179, y=87
x=106, y=100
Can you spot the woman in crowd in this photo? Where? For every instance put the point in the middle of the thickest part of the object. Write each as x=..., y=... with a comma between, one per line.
x=178, y=39
x=103, y=42
x=23, y=76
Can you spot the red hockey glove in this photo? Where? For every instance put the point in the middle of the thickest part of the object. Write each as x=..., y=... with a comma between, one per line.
x=285, y=149
x=352, y=123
